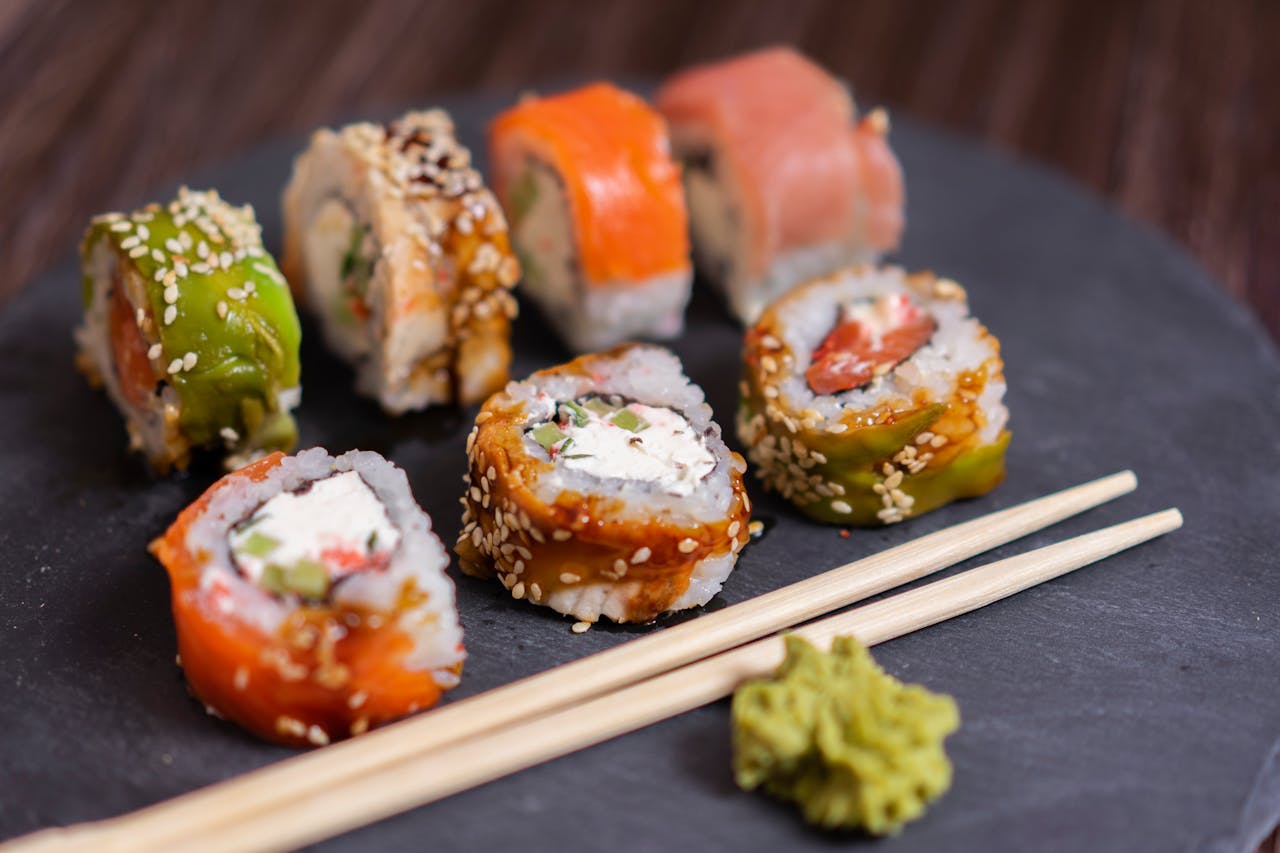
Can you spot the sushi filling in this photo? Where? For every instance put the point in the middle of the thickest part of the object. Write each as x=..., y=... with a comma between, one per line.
x=608, y=438
x=340, y=256
x=870, y=338
x=303, y=542
x=543, y=235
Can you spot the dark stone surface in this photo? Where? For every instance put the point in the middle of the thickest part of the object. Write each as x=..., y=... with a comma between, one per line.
x=1132, y=705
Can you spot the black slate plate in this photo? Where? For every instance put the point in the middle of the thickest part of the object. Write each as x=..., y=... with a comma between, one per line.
x=1132, y=706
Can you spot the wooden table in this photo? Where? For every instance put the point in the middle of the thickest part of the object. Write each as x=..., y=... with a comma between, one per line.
x=1170, y=108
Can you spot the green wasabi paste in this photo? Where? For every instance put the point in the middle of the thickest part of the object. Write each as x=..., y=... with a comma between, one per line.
x=854, y=747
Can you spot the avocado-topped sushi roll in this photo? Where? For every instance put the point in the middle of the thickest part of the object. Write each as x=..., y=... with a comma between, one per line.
x=395, y=244
x=191, y=330
x=311, y=598
x=784, y=181
x=870, y=396
x=597, y=214
x=602, y=487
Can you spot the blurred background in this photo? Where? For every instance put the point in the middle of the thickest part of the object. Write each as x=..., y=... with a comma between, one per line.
x=1170, y=108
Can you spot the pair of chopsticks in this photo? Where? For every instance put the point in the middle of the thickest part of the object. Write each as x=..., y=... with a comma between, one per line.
x=476, y=740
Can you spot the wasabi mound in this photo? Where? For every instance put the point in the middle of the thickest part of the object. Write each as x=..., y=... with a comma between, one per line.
x=854, y=747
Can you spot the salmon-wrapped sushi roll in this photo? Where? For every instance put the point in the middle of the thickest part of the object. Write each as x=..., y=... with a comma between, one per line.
x=784, y=182
x=395, y=244
x=602, y=487
x=871, y=396
x=191, y=330
x=597, y=214
x=311, y=598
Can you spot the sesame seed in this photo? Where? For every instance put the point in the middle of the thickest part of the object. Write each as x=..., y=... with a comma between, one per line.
x=171, y=294
x=175, y=366
x=137, y=251
x=226, y=259
x=562, y=535
x=569, y=578
x=938, y=441
x=155, y=352
x=181, y=269
x=688, y=546
x=170, y=314
x=173, y=246
x=221, y=308
x=581, y=627
x=131, y=242
x=189, y=360
x=642, y=553
x=838, y=506
x=122, y=226
x=620, y=566
x=317, y=736
x=535, y=592
x=360, y=726
x=734, y=528
x=517, y=591
x=250, y=287
x=229, y=434
x=157, y=256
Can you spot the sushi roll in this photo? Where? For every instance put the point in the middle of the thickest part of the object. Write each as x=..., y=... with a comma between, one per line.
x=784, y=181
x=393, y=241
x=870, y=396
x=190, y=328
x=311, y=598
x=602, y=488
x=597, y=214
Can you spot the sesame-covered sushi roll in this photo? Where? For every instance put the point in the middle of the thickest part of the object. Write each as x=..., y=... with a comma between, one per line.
x=311, y=598
x=395, y=244
x=602, y=487
x=597, y=214
x=191, y=330
x=870, y=396
x=784, y=181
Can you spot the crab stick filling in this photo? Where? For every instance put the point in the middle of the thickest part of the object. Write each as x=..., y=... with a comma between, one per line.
x=305, y=541
x=339, y=249
x=871, y=337
x=608, y=438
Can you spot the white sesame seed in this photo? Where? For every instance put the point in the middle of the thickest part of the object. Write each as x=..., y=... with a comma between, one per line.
x=221, y=308
x=131, y=242
x=173, y=246
x=155, y=352
x=235, y=293
x=250, y=287
x=569, y=577
x=189, y=360
x=226, y=259
x=138, y=251
x=535, y=592
x=144, y=232
x=581, y=627
x=229, y=434
x=561, y=535
x=688, y=546
x=317, y=736
x=838, y=506
x=122, y=226
x=642, y=553
x=171, y=294
x=202, y=250
x=517, y=591
x=170, y=314
x=181, y=269
x=175, y=366
x=157, y=256
x=734, y=528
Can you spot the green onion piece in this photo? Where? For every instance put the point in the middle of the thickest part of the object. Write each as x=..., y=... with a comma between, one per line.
x=580, y=416
x=372, y=542
x=578, y=456
x=568, y=442
x=599, y=406
x=258, y=545
x=630, y=421
x=309, y=579
x=548, y=435
x=523, y=195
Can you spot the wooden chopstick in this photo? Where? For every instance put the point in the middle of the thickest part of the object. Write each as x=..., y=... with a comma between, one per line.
x=418, y=779
x=335, y=765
